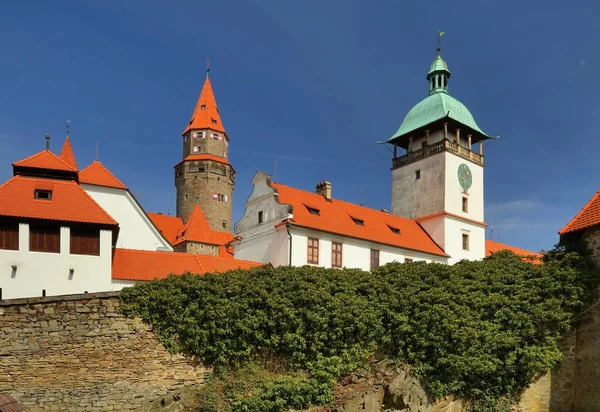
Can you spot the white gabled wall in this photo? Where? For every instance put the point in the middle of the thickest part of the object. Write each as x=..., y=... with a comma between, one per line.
x=136, y=230
x=356, y=253
x=36, y=271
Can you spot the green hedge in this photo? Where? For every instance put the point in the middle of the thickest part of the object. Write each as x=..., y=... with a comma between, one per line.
x=480, y=329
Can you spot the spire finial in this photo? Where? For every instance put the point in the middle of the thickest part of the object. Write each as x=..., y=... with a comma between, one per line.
x=207, y=66
x=68, y=127
x=48, y=138
x=439, y=41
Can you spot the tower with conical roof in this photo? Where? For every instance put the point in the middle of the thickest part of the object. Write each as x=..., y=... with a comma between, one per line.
x=204, y=176
x=438, y=180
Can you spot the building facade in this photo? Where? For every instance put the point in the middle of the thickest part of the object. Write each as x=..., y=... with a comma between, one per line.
x=204, y=176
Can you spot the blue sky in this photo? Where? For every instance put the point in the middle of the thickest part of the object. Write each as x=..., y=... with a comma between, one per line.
x=312, y=85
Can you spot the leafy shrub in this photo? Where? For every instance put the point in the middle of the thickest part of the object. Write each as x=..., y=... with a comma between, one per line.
x=479, y=329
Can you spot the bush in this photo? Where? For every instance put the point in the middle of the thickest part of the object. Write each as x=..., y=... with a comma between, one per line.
x=479, y=329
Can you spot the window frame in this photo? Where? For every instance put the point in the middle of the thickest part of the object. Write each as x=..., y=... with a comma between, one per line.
x=375, y=258
x=465, y=241
x=9, y=236
x=312, y=245
x=337, y=255
x=44, y=234
x=260, y=217
x=418, y=174
x=465, y=204
x=77, y=238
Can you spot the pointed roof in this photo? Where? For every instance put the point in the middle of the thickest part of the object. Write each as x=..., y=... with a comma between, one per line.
x=206, y=113
x=197, y=229
x=587, y=217
x=67, y=155
x=169, y=226
x=493, y=247
x=45, y=160
x=97, y=174
x=68, y=201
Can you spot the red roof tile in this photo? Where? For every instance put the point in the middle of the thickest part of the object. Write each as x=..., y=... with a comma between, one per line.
x=206, y=113
x=67, y=155
x=169, y=226
x=339, y=217
x=45, y=160
x=97, y=174
x=588, y=216
x=9, y=404
x=69, y=202
x=143, y=265
x=493, y=247
x=207, y=157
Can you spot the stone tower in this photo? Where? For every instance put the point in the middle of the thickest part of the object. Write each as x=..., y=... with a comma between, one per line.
x=439, y=180
x=205, y=176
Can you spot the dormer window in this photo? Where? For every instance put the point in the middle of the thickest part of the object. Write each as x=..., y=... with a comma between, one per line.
x=42, y=194
x=394, y=230
x=313, y=211
x=203, y=107
x=213, y=121
x=359, y=222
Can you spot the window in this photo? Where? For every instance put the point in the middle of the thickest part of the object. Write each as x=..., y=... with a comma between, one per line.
x=408, y=260
x=196, y=149
x=313, y=211
x=374, y=258
x=85, y=242
x=203, y=107
x=185, y=197
x=215, y=136
x=42, y=194
x=260, y=217
x=394, y=230
x=359, y=222
x=313, y=251
x=224, y=223
x=9, y=236
x=465, y=204
x=213, y=121
x=44, y=238
x=417, y=174
x=201, y=134
x=336, y=255
x=185, y=139
x=465, y=241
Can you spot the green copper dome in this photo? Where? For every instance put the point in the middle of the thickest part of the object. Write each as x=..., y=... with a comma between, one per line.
x=437, y=108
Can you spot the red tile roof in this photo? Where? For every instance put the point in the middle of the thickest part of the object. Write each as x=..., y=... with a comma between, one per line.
x=67, y=155
x=45, y=160
x=493, y=247
x=169, y=226
x=97, y=174
x=339, y=217
x=588, y=216
x=206, y=113
x=207, y=157
x=69, y=202
x=143, y=265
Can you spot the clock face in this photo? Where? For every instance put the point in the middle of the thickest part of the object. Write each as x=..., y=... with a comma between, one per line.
x=465, y=177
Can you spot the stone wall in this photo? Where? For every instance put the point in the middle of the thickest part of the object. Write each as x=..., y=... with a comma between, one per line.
x=78, y=353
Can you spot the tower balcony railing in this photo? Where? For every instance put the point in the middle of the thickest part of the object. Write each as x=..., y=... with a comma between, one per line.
x=444, y=145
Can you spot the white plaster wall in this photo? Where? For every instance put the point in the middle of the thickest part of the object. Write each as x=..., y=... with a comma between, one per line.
x=36, y=271
x=356, y=253
x=436, y=229
x=454, y=228
x=136, y=229
x=264, y=244
x=117, y=284
x=454, y=192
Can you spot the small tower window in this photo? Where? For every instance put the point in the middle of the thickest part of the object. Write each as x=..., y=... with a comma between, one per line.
x=465, y=241
x=417, y=174
x=224, y=224
x=196, y=149
x=203, y=107
x=465, y=204
x=213, y=121
x=260, y=217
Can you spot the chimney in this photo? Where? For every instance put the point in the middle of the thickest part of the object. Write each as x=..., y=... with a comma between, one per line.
x=324, y=188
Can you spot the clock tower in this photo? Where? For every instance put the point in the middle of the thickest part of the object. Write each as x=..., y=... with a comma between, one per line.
x=437, y=169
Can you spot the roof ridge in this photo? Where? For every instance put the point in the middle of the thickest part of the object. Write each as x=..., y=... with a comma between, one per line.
x=33, y=156
x=199, y=263
x=566, y=228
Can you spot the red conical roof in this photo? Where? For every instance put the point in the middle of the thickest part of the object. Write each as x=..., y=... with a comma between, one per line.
x=67, y=155
x=206, y=113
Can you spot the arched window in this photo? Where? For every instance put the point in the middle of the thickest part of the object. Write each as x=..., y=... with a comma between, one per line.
x=224, y=224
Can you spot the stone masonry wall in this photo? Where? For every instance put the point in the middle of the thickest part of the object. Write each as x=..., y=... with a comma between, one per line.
x=78, y=353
